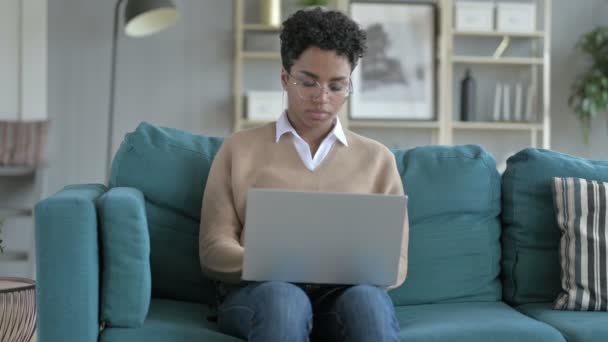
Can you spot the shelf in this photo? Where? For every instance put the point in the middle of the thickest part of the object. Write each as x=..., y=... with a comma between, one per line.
x=15, y=212
x=363, y=123
x=261, y=27
x=497, y=126
x=14, y=256
x=261, y=55
x=497, y=61
x=251, y=123
x=358, y=123
x=536, y=34
x=15, y=171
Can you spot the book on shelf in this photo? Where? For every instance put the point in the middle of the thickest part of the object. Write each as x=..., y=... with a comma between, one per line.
x=531, y=104
x=517, y=113
x=497, y=101
x=506, y=103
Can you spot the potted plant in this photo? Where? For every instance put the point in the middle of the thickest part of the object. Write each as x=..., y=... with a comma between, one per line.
x=589, y=94
x=313, y=3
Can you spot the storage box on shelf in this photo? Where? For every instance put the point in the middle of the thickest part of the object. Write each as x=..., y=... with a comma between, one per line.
x=474, y=16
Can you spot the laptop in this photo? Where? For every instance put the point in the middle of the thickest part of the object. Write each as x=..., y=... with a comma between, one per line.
x=323, y=238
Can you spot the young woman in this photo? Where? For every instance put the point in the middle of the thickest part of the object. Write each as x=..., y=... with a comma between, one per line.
x=307, y=149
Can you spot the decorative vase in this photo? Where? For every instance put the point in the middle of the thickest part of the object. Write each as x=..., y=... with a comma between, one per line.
x=467, y=97
x=18, y=309
x=270, y=12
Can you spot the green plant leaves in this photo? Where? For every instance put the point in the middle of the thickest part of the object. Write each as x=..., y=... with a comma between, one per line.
x=589, y=93
x=313, y=2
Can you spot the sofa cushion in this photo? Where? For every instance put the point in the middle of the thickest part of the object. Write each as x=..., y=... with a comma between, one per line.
x=530, y=239
x=583, y=220
x=170, y=167
x=471, y=322
x=171, y=321
x=576, y=326
x=454, y=208
x=125, y=251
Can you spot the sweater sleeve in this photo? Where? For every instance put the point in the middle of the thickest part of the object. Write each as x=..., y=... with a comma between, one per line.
x=220, y=250
x=394, y=186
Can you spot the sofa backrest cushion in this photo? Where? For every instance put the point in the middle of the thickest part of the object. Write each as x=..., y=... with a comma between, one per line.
x=170, y=167
x=454, y=215
x=531, y=235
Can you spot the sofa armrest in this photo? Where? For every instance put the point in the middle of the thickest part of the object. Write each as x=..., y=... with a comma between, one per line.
x=67, y=263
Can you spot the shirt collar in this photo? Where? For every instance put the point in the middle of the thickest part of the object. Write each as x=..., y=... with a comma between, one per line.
x=283, y=126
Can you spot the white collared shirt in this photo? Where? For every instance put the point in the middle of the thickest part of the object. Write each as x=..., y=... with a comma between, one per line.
x=283, y=126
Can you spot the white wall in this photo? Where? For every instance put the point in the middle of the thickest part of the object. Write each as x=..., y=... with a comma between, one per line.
x=182, y=78
x=9, y=60
x=23, y=51
x=571, y=19
x=179, y=78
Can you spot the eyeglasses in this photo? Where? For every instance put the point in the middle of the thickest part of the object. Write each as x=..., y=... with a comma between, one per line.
x=309, y=89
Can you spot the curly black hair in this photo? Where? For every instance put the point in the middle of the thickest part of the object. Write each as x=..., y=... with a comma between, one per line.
x=325, y=29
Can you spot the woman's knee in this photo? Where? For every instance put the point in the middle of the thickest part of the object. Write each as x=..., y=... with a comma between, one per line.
x=371, y=300
x=267, y=311
x=366, y=313
x=282, y=301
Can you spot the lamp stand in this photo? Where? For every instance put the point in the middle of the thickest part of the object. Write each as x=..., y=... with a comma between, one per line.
x=110, y=131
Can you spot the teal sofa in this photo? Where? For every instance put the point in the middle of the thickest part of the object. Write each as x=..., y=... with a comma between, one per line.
x=120, y=263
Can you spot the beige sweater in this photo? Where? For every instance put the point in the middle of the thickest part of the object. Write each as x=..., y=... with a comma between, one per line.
x=252, y=158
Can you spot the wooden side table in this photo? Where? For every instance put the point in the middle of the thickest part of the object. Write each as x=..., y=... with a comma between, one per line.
x=17, y=309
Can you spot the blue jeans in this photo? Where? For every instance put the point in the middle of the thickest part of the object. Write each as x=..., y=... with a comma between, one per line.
x=279, y=311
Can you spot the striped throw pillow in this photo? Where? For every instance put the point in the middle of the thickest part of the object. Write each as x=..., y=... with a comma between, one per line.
x=583, y=220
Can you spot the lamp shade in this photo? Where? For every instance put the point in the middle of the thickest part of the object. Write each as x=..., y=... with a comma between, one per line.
x=145, y=17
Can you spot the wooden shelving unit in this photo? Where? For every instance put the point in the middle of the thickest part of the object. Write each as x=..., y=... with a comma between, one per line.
x=261, y=55
x=260, y=27
x=20, y=257
x=496, y=126
x=497, y=61
x=537, y=34
x=393, y=124
x=539, y=61
x=445, y=126
x=16, y=171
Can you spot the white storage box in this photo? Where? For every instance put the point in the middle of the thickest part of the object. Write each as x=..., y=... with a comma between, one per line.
x=264, y=105
x=516, y=17
x=474, y=16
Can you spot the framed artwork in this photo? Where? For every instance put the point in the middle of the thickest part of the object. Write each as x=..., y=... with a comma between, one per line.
x=395, y=79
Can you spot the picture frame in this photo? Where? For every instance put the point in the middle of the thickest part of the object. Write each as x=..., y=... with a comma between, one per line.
x=396, y=78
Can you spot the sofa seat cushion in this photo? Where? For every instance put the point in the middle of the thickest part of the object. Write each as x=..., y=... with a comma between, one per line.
x=576, y=326
x=471, y=322
x=170, y=321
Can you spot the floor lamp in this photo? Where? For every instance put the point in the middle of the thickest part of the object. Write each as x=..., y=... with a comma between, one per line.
x=141, y=18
